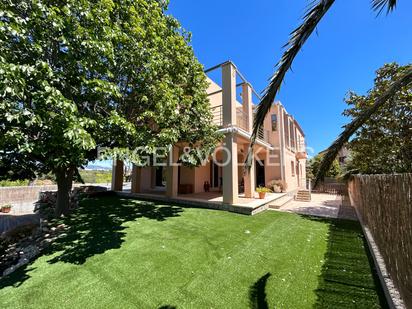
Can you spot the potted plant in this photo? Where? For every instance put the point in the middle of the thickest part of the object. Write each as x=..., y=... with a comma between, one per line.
x=262, y=192
x=6, y=208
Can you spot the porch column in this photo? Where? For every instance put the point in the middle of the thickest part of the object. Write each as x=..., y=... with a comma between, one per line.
x=250, y=178
x=229, y=94
x=117, y=175
x=172, y=172
x=247, y=105
x=230, y=170
x=136, y=179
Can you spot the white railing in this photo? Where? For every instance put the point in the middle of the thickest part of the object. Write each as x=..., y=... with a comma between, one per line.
x=301, y=147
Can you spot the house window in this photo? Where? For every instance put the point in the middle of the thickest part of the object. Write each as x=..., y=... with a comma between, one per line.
x=292, y=135
x=286, y=129
x=274, y=122
x=292, y=166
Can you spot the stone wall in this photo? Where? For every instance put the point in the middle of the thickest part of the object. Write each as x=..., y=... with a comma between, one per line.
x=16, y=195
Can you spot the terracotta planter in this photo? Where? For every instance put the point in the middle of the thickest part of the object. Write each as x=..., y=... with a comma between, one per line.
x=5, y=210
x=262, y=195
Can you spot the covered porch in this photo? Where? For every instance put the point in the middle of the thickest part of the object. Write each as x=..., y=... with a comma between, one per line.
x=223, y=175
x=211, y=200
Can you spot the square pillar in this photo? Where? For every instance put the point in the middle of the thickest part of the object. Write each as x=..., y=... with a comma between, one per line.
x=117, y=175
x=136, y=179
x=247, y=105
x=152, y=177
x=230, y=170
x=229, y=94
x=250, y=178
x=172, y=172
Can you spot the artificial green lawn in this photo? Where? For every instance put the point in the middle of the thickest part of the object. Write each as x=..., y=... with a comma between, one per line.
x=121, y=253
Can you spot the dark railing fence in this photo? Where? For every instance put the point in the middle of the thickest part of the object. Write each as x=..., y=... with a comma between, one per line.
x=384, y=203
x=331, y=186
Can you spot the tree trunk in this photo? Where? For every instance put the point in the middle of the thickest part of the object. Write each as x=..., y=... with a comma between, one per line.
x=64, y=178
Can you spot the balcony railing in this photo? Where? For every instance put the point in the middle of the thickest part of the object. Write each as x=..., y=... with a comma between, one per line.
x=263, y=135
x=301, y=150
x=301, y=147
x=217, y=113
x=242, y=120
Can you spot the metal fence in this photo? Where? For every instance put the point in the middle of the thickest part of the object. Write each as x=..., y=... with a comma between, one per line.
x=217, y=113
x=242, y=120
x=384, y=203
x=338, y=188
x=263, y=134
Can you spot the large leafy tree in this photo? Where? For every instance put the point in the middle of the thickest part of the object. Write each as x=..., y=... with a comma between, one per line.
x=315, y=13
x=314, y=164
x=383, y=144
x=76, y=75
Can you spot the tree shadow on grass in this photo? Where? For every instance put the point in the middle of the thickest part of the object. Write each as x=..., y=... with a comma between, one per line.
x=17, y=277
x=95, y=227
x=257, y=293
x=348, y=278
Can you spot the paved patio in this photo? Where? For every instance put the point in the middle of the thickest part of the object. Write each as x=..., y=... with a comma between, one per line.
x=212, y=200
x=322, y=205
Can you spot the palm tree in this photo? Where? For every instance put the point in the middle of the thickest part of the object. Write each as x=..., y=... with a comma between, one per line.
x=298, y=37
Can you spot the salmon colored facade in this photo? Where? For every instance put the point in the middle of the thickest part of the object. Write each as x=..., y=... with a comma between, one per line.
x=279, y=152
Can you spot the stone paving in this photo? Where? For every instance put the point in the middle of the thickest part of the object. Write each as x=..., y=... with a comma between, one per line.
x=322, y=205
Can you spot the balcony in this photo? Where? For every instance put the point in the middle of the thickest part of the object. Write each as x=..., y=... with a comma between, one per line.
x=301, y=153
x=217, y=114
x=242, y=122
x=263, y=135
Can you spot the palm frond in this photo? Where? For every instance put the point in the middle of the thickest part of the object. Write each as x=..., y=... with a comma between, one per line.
x=353, y=126
x=379, y=5
x=298, y=37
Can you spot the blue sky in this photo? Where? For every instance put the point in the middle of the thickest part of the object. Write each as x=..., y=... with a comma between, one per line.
x=351, y=44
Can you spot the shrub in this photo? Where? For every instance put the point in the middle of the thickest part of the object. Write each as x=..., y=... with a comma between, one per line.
x=263, y=189
x=279, y=183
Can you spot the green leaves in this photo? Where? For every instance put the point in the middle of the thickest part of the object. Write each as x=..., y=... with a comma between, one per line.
x=77, y=75
x=383, y=144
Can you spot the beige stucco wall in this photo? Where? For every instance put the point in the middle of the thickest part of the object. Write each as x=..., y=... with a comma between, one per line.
x=202, y=174
x=216, y=99
x=187, y=175
x=146, y=178
x=290, y=179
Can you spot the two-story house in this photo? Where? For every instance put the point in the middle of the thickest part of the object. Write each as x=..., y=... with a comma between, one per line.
x=278, y=154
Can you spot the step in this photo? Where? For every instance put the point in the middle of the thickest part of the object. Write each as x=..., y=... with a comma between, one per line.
x=303, y=199
x=303, y=196
x=276, y=204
